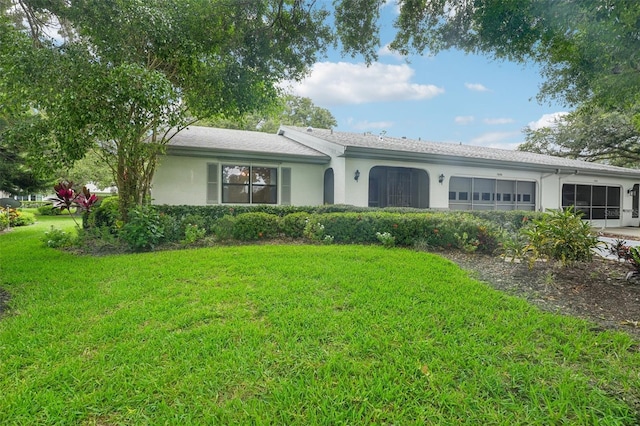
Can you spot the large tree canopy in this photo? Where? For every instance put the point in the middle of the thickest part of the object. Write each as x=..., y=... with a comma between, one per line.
x=591, y=134
x=588, y=49
x=290, y=110
x=126, y=75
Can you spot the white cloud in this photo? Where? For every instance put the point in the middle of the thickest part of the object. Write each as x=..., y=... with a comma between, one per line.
x=476, y=87
x=497, y=140
x=386, y=51
x=547, y=120
x=342, y=83
x=464, y=119
x=493, y=121
x=368, y=125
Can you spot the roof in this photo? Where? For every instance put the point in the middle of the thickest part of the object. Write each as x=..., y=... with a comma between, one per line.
x=374, y=146
x=209, y=141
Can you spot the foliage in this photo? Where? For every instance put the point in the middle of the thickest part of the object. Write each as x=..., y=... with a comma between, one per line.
x=255, y=226
x=587, y=49
x=67, y=197
x=15, y=217
x=293, y=225
x=105, y=215
x=4, y=220
x=58, y=238
x=144, y=229
x=223, y=228
x=193, y=233
x=162, y=65
x=290, y=111
x=386, y=239
x=314, y=230
x=560, y=235
x=629, y=254
x=90, y=169
x=48, y=210
x=591, y=134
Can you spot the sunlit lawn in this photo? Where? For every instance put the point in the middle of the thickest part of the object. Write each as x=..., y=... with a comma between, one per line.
x=291, y=335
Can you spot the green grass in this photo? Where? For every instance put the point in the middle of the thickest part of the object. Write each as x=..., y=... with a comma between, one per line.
x=291, y=335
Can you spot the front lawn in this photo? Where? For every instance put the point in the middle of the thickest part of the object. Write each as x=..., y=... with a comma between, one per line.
x=298, y=334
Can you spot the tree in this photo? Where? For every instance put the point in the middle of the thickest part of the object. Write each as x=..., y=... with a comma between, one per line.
x=17, y=176
x=125, y=76
x=591, y=134
x=588, y=49
x=290, y=110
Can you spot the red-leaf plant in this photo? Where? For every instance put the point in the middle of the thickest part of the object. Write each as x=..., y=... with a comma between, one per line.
x=67, y=197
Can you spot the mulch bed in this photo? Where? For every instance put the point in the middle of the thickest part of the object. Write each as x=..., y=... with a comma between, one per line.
x=596, y=291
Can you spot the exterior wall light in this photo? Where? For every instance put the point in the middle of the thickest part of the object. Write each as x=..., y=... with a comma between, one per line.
x=441, y=178
x=356, y=176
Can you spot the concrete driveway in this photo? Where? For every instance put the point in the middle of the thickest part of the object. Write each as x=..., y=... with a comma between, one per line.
x=630, y=236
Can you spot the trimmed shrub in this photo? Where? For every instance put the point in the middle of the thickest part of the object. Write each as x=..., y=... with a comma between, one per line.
x=223, y=229
x=4, y=220
x=19, y=218
x=48, y=210
x=292, y=225
x=255, y=226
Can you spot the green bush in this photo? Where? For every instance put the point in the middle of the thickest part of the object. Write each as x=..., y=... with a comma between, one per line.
x=20, y=218
x=4, y=220
x=57, y=238
x=255, y=226
x=48, y=210
x=105, y=215
x=192, y=234
x=173, y=231
x=560, y=235
x=223, y=228
x=292, y=225
x=144, y=230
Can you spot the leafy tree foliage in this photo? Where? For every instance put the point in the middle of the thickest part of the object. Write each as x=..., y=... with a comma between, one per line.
x=291, y=111
x=588, y=49
x=17, y=176
x=591, y=134
x=127, y=75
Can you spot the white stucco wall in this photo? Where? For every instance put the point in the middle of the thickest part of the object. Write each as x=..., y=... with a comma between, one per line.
x=183, y=180
x=180, y=180
x=548, y=185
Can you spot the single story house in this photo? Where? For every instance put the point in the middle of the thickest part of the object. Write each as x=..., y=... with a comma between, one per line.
x=305, y=166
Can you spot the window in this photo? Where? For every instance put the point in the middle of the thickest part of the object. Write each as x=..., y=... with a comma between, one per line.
x=491, y=194
x=594, y=201
x=249, y=184
x=212, y=184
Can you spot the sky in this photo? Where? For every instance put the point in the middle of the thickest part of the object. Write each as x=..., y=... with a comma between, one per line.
x=449, y=97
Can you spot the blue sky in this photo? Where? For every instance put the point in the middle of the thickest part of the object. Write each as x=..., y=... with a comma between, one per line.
x=449, y=97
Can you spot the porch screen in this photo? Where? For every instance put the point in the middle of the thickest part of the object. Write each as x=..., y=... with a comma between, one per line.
x=594, y=201
x=467, y=193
